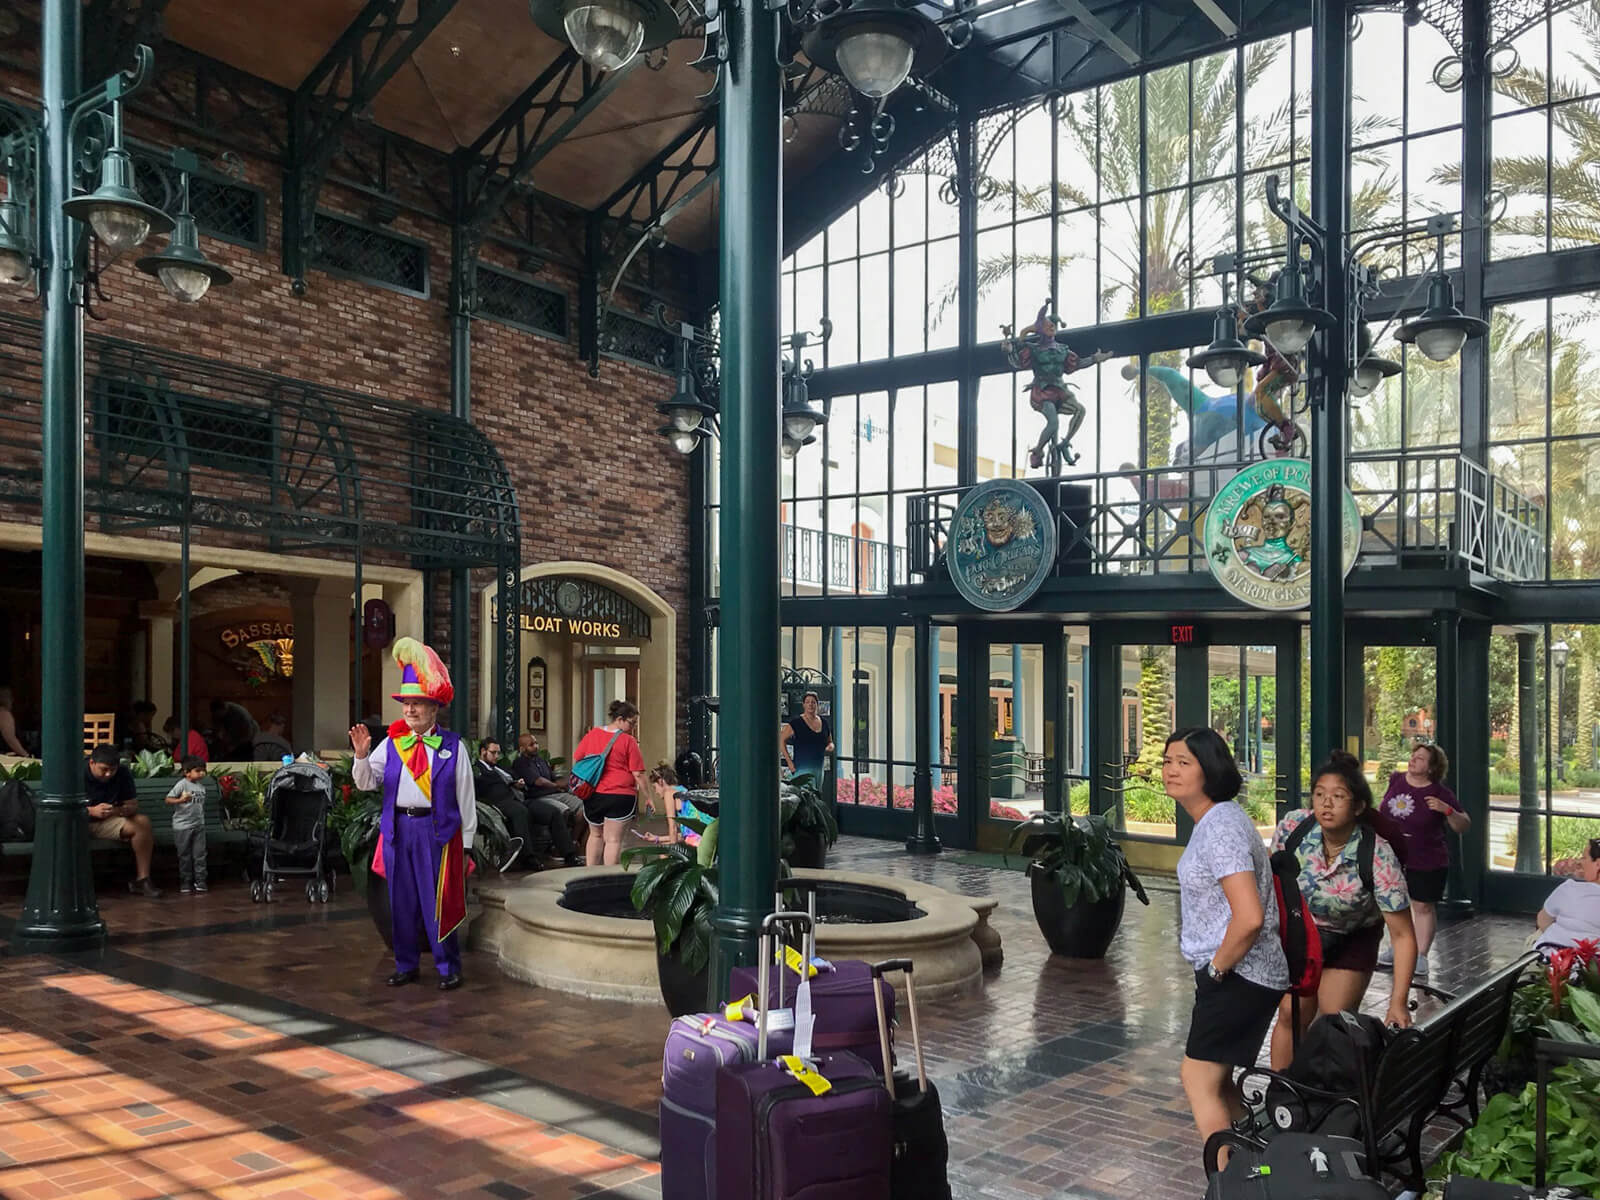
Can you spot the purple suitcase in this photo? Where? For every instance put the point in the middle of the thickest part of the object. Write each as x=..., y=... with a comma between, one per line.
x=841, y=1000
x=777, y=1139
x=697, y=1047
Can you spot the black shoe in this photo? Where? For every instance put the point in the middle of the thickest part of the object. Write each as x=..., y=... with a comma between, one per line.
x=572, y=860
x=143, y=887
x=449, y=983
x=401, y=978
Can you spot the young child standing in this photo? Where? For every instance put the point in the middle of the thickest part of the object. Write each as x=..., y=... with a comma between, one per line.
x=189, y=825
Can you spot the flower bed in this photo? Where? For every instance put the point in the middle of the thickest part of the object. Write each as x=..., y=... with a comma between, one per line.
x=873, y=794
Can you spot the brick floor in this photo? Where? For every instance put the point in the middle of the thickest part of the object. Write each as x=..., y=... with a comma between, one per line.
x=221, y=1049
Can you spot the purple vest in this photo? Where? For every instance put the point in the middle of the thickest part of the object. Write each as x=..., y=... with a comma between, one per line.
x=446, y=815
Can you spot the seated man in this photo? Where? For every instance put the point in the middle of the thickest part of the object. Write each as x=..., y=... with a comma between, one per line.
x=114, y=813
x=539, y=783
x=1571, y=913
x=270, y=744
x=196, y=747
x=497, y=788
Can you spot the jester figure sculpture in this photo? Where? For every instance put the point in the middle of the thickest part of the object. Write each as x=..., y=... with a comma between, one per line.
x=1275, y=380
x=1050, y=361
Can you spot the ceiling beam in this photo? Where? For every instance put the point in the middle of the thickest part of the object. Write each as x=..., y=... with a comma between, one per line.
x=1213, y=11
x=1102, y=32
x=341, y=87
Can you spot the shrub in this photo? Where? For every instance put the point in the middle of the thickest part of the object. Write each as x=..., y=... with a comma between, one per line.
x=1497, y=745
x=873, y=794
x=1568, y=836
x=1502, y=784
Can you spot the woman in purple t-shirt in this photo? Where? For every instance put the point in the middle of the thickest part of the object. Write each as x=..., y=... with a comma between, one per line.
x=1416, y=811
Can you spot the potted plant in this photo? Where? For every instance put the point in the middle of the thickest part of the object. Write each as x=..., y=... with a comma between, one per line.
x=1080, y=881
x=807, y=822
x=677, y=888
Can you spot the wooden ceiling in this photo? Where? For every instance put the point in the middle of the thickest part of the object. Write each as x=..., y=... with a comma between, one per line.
x=469, y=70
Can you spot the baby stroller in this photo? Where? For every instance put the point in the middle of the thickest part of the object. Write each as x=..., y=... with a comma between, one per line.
x=295, y=841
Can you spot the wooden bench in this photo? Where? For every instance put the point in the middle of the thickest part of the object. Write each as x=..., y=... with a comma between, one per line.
x=152, y=797
x=1434, y=1069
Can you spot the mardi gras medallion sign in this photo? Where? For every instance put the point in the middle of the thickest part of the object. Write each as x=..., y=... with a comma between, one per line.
x=1258, y=534
x=1002, y=545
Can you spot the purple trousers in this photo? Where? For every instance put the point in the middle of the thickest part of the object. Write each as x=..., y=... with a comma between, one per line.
x=413, y=890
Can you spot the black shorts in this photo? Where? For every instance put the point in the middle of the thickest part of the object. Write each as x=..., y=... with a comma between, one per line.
x=1230, y=1019
x=1353, y=951
x=1427, y=886
x=601, y=807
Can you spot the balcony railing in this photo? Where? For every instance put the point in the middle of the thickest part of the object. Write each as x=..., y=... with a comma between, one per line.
x=848, y=564
x=1415, y=510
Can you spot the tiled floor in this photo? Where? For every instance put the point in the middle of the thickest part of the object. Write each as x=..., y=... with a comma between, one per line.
x=217, y=1048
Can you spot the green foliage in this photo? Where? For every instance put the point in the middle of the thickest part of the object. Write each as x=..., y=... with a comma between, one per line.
x=803, y=810
x=355, y=822
x=1568, y=836
x=1078, y=798
x=1079, y=853
x=29, y=771
x=678, y=891
x=153, y=764
x=1500, y=1146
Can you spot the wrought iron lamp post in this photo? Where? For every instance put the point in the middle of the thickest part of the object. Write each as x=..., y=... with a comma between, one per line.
x=42, y=231
x=874, y=44
x=1320, y=259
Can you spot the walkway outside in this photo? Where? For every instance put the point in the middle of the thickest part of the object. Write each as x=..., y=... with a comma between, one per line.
x=219, y=1050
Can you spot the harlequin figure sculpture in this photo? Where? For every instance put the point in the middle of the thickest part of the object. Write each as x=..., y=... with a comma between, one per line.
x=1050, y=361
x=430, y=816
x=1276, y=376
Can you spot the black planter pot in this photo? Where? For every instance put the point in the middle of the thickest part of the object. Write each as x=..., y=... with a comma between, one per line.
x=1085, y=929
x=684, y=991
x=810, y=850
x=378, y=907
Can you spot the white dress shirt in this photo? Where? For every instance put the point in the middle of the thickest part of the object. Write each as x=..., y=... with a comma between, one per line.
x=368, y=776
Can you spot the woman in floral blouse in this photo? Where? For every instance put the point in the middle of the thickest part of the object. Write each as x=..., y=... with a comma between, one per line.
x=1335, y=835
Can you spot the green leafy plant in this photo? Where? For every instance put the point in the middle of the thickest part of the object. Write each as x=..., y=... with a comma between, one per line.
x=677, y=888
x=28, y=772
x=153, y=764
x=1500, y=1147
x=355, y=823
x=803, y=810
x=1079, y=854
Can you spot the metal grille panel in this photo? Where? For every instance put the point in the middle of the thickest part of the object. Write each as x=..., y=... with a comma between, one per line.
x=514, y=300
x=346, y=247
x=636, y=340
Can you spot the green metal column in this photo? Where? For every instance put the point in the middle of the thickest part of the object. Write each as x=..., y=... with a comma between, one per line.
x=749, y=143
x=59, y=911
x=1452, y=722
x=924, y=840
x=1330, y=171
x=461, y=272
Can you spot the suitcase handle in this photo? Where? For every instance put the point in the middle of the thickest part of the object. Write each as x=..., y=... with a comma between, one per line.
x=766, y=951
x=879, y=969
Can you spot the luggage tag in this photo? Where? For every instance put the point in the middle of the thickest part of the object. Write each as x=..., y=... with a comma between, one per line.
x=804, y=1021
x=805, y=1074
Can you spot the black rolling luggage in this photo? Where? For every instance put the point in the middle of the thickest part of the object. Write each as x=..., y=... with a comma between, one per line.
x=920, y=1170
x=1297, y=1166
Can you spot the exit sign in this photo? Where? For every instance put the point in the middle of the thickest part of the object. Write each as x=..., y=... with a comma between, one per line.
x=1183, y=635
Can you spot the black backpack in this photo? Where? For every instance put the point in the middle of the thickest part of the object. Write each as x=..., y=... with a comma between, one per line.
x=16, y=812
x=1338, y=1054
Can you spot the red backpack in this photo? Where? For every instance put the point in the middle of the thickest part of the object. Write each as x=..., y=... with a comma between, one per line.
x=1302, y=944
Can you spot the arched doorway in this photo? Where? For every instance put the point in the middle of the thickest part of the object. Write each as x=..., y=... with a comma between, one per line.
x=590, y=635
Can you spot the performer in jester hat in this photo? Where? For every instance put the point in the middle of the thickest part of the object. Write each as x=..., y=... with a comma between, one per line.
x=430, y=815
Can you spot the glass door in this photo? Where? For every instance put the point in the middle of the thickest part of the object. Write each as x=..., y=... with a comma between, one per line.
x=1147, y=679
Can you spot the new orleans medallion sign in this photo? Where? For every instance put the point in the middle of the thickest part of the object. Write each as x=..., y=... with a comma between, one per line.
x=1258, y=534
x=1002, y=545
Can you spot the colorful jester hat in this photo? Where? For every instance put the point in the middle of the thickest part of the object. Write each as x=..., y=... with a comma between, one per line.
x=422, y=674
x=1046, y=323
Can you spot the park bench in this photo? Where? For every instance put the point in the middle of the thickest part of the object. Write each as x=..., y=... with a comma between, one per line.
x=1434, y=1069
x=152, y=797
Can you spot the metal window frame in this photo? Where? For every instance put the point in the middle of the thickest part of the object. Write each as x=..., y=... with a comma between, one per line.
x=565, y=338
x=315, y=261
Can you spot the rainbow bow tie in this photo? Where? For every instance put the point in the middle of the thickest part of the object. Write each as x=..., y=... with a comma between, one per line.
x=430, y=740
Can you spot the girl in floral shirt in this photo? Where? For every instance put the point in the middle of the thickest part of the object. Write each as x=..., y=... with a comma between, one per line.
x=1350, y=916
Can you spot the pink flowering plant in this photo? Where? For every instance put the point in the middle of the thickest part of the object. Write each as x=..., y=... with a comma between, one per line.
x=873, y=794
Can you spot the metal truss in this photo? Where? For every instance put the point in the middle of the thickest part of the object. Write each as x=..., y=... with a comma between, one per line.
x=629, y=227
x=496, y=166
x=115, y=27
x=340, y=87
x=216, y=104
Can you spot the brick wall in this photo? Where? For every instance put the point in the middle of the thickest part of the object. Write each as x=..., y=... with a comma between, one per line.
x=594, y=480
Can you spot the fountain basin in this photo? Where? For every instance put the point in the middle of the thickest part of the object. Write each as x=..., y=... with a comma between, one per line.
x=539, y=934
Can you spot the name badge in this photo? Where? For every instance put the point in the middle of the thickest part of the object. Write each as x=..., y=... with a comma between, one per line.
x=444, y=753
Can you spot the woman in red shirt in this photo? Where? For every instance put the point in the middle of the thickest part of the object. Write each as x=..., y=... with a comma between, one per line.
x=610, y=807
